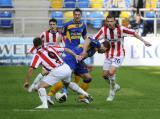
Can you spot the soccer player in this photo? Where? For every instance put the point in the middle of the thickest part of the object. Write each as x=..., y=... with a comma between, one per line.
x=79, y=68
x=49, y=58
x=50, y=36
x=114, y=34
x=73, y=31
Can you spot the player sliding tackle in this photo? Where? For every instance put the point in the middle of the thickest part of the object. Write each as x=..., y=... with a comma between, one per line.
x=79, y=68
x=49, y=58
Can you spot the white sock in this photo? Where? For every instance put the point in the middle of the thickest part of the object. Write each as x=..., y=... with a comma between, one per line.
x=38, y=78
x=36, y=86
x=112, y=82
x=77, y=89
x=43, y=95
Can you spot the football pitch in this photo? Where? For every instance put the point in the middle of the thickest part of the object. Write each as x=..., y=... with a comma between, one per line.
x=139, y=97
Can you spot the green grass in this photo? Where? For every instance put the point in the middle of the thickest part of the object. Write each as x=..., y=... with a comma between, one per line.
x=139, y=97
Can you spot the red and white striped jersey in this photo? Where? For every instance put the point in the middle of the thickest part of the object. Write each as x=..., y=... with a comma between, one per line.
x=116, y=39
x=48, y=38
x=48, y=57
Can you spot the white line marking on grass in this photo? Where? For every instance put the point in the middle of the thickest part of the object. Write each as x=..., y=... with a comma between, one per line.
x=55, y=110
x=77, y=110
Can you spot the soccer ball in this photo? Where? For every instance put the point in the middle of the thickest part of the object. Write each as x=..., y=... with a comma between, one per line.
x=61, y=97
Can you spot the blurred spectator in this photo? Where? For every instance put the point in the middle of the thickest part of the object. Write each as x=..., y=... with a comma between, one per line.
x=138, y=25
x=139, y=4
x=115, y=4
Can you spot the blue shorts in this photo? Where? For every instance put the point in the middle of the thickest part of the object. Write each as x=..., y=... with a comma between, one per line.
x=81, y=68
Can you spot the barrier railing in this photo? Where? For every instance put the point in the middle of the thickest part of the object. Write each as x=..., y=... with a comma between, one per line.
x=24, y=20
x=155, y=19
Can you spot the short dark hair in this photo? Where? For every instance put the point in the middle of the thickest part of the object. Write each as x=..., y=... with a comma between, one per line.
x=106, y=44
x=77, y=10
x=110, y=16
x=37, y=41
x=53, y=20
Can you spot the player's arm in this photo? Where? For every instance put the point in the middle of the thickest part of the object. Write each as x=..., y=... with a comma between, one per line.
x=64, y=30
x=85, y=46
x=141, y=39
x=78, y=58
x=132, y=32
x=28, y=76
x=86, y=41
x=34, y=64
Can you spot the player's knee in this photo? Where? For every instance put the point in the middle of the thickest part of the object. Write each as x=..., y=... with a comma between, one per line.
x=111, y=73
x=105, y=77
x=87, y=80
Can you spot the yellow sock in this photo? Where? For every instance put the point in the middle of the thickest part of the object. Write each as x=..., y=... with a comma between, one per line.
x=77, y=79
x=55, y=88
x=85, y=86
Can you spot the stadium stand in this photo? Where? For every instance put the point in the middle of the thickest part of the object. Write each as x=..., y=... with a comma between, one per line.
x=33, y=15
x=97, y=3
x=69, y=3
x=83, y=3
x=59, y=16
x=125, y=18
x=86, y=17
x=56, y=3
x=151, y=3
x=68, y=16
x=6, y=4
x=97, y=23
x=128, y=3
x=6, y=23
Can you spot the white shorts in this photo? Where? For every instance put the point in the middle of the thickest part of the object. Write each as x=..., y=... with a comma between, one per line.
x=115, y=61
x=60, y=73
x=89, y=61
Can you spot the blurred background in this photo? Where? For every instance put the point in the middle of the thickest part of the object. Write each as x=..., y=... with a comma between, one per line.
x=25, y=19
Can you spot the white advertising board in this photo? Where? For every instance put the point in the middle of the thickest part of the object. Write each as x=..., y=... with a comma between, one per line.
x=136, y=53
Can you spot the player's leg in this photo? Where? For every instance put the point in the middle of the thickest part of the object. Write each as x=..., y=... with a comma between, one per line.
x=51, y=79
x=55, y=88
x=87, y=78
x=106, y=75
x=42, y=94
x=38, y=78
x=112, y=83
x=77, y=79
x=75, y=87
x=110, y=67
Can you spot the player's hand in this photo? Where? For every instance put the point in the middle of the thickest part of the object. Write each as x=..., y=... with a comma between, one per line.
x=83, y=54
x=147, y=44
x=79, y=58
x=26, y=85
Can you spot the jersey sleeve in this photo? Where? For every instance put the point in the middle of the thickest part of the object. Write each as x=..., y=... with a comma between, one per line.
x=36, y=61
x=99, y=34
x=42, y=35
x=127, y=31
x=32, y=50
x=84, y=33
x=58, y=48
x=64, y=29
x=94, y=43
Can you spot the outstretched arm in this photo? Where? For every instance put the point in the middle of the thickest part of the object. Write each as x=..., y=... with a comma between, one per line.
x=140, y=38
x=28, y=76
x=78, y=58
x=85, y=47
